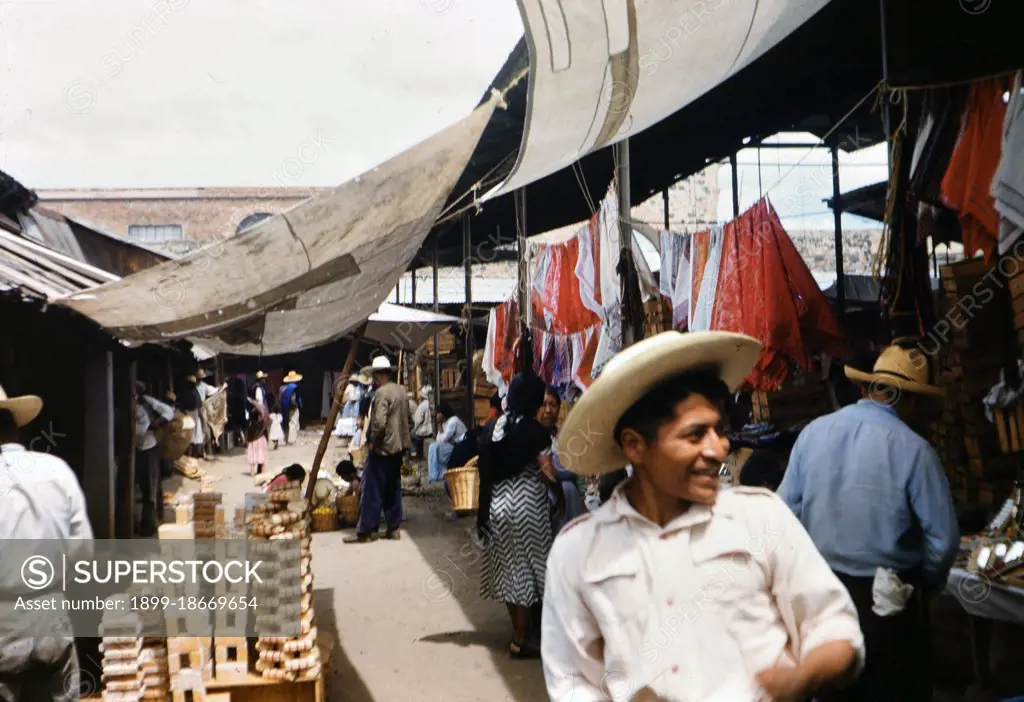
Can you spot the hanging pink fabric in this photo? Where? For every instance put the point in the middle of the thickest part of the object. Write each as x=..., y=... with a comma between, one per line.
x=766, y=291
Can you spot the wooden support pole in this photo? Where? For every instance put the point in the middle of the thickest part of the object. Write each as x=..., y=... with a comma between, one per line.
x=124, y=447
x=437, y=336
x=332, y=415
x=629, y=278
x=413, y=291
x=467, y=261
x=98, y=469
x=735, y=185
x=664, y=202
x=837, y=212
x=525, y=335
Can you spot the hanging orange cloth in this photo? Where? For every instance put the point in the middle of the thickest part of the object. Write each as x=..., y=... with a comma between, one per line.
x=968, y=180
x=766, y=291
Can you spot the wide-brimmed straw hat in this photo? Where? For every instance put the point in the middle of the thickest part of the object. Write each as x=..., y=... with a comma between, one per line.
x=260, y=375
x=363, y=379
x=898, y=368
x=170, y=396
x=586, y=443
x=292, y=377
x=24, y=408
x=381, y=363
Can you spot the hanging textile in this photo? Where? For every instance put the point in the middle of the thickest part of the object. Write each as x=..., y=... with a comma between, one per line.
x=707, y=283
x=766, y=291
x=1008, y=184
x=936, y=137
x=972, y=168
x=674, y=281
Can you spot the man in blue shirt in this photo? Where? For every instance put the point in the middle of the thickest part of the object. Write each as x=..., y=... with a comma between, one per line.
x=873, y=495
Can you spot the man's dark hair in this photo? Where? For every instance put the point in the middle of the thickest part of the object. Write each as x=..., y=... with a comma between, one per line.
x=345, y=469
x=295, y=472
x=8, y=427
x=659, y=405
x=445, y=410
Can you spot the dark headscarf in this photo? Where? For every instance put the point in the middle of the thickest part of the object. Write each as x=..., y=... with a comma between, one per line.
x=523, y=438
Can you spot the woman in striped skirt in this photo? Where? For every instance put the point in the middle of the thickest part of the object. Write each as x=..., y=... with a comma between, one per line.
x=513, y=520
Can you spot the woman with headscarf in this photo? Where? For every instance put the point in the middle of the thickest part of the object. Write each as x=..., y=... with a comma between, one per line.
x=422, y=420
x=513, y=520
x=568, y=484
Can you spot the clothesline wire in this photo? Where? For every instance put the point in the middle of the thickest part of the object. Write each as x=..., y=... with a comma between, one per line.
x=955, y=83
x=822, y=142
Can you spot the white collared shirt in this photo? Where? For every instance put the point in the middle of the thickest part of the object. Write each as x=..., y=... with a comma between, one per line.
x=41, y=499
x=145, y=439
x=692, y=611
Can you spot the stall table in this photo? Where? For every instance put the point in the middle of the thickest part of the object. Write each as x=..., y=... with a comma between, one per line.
x=984, y=602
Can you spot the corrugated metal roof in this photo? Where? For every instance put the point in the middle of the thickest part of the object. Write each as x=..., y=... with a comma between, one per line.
x=43, y=272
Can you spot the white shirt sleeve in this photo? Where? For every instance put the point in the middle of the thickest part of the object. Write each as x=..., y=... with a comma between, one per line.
x=811, y=599
x=79, y=530
x=570, y=638
x=259, y=395
x=165, y=411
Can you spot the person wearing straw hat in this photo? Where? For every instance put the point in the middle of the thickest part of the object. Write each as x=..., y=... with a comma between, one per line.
x=258, y=391
x=291, y=406
x=875, y=499
x=388, y=439
x=150, y=413
x=42, y=500
x=673, y=590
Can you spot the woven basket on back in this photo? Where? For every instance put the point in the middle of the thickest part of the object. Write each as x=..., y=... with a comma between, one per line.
x=464, y=484
x=348, y=508
x=174, y=437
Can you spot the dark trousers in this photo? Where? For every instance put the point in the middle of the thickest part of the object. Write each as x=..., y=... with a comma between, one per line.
x=147, y=477
x=38, y=682
x=382, y=488
x=898, y=650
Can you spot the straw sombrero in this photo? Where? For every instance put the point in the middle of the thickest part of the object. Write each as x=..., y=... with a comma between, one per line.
x=586, y=443
x=899, y=368
x=292, y=377
x=260, y=375
x=24, y=409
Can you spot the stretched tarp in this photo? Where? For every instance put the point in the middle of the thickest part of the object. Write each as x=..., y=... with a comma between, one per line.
x=600, y=73
x=407, y=328
x=301, y=278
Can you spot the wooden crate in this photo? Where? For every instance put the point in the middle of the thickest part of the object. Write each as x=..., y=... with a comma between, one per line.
x=250, y=687
x=791, y=405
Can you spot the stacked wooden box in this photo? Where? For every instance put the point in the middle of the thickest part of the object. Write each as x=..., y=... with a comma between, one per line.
x=154, y=665
x=122, y=677
x=791, y=405
x=188, y=665
x=285, y=599
x=969, y=365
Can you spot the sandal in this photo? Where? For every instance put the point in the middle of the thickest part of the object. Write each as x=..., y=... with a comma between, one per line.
x=359, y=539
x=393, y=535
x=522, y=651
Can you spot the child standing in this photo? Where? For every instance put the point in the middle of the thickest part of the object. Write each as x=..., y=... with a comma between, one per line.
x=276, y=425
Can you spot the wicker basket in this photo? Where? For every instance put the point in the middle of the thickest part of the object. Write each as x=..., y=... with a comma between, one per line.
x=348, y=508
x=325, y=521
x=464, y=484
x=173, y=438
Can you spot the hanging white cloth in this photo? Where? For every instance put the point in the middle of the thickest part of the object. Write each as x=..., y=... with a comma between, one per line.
x=491, y=373
x=587, y=271
x=681, y=287
x=1008, y=185
x=704, y=305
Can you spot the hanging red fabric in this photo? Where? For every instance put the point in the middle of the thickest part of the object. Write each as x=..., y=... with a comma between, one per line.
x=967, y=184
x=766, y=291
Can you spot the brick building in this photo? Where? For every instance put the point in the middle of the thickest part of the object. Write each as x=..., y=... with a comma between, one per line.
x=178, y=219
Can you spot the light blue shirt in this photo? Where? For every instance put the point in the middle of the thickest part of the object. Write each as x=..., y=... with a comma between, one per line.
x=872, y=493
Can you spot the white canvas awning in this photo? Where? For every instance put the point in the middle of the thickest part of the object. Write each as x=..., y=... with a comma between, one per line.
x=407, y=328
x=301, y=278
x=599, y=74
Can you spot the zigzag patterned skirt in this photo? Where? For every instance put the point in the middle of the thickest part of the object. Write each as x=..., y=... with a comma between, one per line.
x=515, y=556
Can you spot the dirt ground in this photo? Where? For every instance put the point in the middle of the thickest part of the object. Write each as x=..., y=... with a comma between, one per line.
x=406, y=618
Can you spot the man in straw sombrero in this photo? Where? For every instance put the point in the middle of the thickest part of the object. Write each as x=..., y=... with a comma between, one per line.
x=291, y=406
x=387, y=438
x=673, y=590
x=874, y=497
x=41, y=500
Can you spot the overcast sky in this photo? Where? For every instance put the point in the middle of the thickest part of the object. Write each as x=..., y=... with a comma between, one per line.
x=149, y=93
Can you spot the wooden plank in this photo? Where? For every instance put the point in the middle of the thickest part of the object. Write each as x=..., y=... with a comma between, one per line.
x=24, y=244
x=99, y=466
